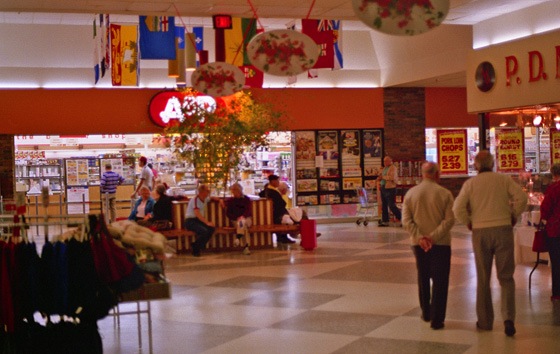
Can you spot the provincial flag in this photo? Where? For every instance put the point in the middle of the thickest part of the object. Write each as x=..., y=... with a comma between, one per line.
x=96, y=68
x=336, y=27
x=253, y=76
x=157, y=37
x=124, y=55
x=107, y=49
x=198, y=41
x=324, y=40
x=102, y=39
x=237, y=38
x=173, y=65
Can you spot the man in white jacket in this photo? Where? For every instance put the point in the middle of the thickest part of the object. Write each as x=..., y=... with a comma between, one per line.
x=489, y=204
x=428, y=217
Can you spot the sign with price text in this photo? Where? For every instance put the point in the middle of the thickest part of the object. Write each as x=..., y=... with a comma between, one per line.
x=452, y=151
x=509, y=153
x=555, y=146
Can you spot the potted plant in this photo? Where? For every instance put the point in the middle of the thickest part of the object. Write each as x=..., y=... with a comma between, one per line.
x=213, y=139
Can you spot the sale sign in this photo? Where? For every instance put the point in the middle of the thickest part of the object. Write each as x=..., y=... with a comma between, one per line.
x=555, y=146
x=452, y=151
x=509, y=150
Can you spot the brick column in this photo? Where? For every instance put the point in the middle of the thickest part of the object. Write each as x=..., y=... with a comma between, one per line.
x=405, y=123
x=7, y=165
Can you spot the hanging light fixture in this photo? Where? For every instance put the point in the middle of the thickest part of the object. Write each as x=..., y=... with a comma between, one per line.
x=537, y=120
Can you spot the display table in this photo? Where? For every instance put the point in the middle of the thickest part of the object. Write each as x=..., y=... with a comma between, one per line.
x=523, y=245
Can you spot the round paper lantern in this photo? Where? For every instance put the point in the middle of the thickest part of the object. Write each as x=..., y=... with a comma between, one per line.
x=218, y=79
x=283, y=52
x=401, y=17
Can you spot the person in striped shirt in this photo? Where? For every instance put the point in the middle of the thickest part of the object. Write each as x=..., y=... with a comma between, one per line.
x=109, y=182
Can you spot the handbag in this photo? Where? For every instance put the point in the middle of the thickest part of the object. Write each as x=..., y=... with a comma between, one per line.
x=539, y=244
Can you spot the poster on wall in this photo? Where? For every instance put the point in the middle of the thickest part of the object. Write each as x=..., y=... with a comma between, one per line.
x=327, y=141
x=372, y=150
x=350, y=153
x=555, y=146
x=452, y=151
x=307, y=185
x=305, y=148
x=78, y=200
x=510, y=145
x=77, y=173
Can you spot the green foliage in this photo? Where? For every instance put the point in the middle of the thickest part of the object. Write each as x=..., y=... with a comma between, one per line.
x=213, y=142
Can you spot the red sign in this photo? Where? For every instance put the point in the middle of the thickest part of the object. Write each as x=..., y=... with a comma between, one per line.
x=168, y=107
x=222, y=21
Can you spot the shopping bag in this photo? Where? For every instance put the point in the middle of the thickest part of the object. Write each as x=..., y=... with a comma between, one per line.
x=308, y=234
x=539, y=243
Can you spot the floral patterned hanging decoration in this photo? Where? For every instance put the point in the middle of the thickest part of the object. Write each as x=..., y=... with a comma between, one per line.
x=218, y=79
x=401, y=17
x=283, y=52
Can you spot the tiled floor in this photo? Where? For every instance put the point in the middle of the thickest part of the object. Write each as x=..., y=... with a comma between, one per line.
x=356, y=293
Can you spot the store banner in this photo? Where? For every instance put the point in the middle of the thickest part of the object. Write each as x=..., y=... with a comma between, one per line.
x=124, y=55
x=452, y=152
x=510, y=147
x=555, y=146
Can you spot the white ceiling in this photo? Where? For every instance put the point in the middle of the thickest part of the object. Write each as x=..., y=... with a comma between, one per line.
x=272, y=14
x=462, y=12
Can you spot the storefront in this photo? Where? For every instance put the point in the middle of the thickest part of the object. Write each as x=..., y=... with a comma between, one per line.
x=515, y=89
x=355, y=121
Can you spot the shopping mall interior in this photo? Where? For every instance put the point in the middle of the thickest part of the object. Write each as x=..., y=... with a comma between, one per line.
x=357, y=291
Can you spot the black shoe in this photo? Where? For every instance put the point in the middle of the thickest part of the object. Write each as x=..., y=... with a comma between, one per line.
x=425, y=319
x=383, y=224
x=437, y=325
x=509, y=328
x=195, y=250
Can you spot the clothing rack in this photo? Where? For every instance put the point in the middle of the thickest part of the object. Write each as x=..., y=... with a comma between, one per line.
x=67, y=220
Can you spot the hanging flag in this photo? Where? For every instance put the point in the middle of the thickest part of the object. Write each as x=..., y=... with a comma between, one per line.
x=336, y=27
x=124, y=55
x=198, y=41
x=234, y=40
x=107, y=49
x=173, y=65
x=325, y=41
x=157, y=37
x=253, y=76
x=95, y=51
x=102, y=36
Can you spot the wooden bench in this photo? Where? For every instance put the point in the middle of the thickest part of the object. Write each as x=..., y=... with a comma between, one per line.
x=260, y=234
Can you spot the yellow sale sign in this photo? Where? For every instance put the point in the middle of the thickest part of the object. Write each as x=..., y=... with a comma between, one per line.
x=452, y=151
x=509, y=150
x=555, y=146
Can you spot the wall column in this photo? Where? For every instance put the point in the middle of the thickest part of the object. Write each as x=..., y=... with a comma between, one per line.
x=7, y=166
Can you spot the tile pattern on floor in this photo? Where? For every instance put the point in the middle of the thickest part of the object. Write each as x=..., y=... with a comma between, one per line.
x=356, y=293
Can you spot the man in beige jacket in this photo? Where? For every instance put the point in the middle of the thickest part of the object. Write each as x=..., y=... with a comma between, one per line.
x=489, y=204
x=428, y=217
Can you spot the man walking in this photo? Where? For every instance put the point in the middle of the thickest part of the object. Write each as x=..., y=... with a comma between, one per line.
x=388, y=188
x=109, y=182
x=428, y=217
x=489, y=204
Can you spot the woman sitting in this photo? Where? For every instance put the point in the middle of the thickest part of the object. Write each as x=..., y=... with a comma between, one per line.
x=161, y=216
x=141, y=213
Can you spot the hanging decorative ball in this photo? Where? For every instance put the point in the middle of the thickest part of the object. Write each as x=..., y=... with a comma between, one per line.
x=401, y=17
x=218, y=79
x=283, y=52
